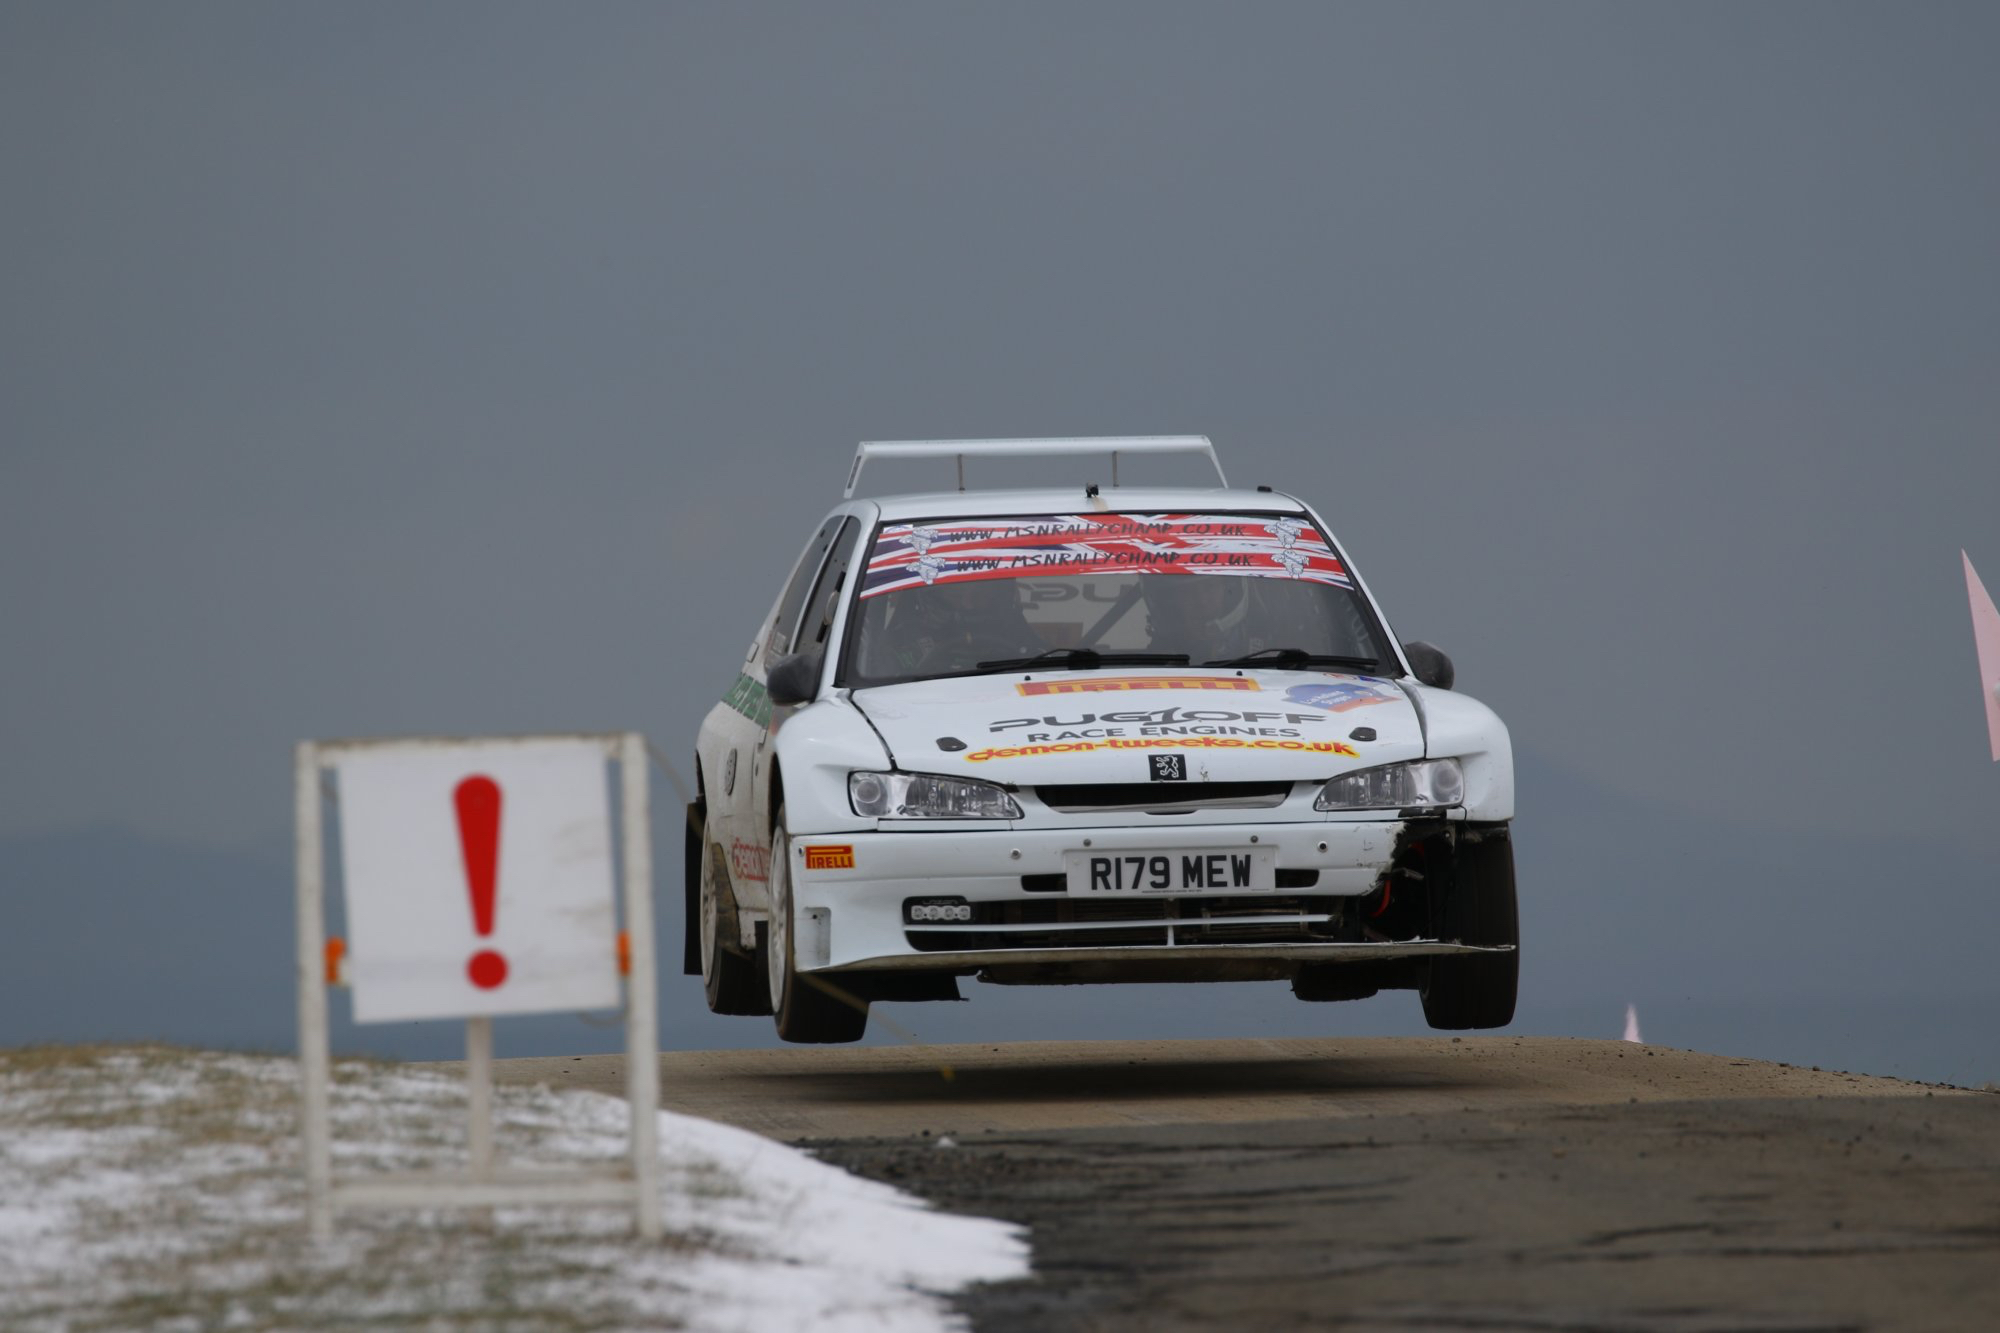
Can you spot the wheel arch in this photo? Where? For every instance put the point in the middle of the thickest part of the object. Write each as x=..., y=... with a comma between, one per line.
x=774, y=798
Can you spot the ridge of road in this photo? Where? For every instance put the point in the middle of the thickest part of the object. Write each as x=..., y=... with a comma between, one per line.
x=826, y=1092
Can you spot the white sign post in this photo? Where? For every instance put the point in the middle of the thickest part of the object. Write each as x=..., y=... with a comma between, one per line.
x=478, y=881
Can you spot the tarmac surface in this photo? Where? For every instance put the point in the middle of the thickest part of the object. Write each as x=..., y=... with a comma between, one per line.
x=1426, y=1183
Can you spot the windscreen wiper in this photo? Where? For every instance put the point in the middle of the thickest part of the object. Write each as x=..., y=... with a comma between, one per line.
x=1291, y=659
x=1083, y=659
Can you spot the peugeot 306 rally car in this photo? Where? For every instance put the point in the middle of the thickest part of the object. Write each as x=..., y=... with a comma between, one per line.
x=1082, y=735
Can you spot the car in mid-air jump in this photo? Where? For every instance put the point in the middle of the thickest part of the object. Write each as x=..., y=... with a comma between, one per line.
x=1086, y=734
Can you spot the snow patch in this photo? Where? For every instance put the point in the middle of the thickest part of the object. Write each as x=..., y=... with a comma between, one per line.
x=159, y=1190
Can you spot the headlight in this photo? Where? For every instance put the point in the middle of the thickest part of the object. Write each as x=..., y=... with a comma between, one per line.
x=1396, y=787
x=927, y=796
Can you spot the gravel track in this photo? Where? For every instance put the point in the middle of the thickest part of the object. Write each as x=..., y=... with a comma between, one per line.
x=1429, y=1183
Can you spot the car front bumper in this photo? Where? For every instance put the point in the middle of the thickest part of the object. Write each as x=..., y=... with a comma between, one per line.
x=849, y=892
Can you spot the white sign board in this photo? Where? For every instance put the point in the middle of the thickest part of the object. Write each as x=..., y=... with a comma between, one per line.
x=478, y=882
x=478, y=878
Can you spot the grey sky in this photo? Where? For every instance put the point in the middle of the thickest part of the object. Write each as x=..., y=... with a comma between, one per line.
x=383, y=368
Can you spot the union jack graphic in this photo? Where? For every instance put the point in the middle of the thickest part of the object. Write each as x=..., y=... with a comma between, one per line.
x=910, y=555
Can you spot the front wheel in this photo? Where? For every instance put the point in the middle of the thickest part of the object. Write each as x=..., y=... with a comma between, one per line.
x=1477, y=990
x=808, y=1008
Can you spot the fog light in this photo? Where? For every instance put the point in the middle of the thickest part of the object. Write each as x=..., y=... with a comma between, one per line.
x=938, y=909
x=869, y=792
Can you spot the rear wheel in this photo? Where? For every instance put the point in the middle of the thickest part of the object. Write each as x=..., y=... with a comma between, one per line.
x=808, y=1009
x=729, y=977
x=1477, y=990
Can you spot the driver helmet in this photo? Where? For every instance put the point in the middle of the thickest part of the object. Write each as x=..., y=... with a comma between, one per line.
x=1194, y=605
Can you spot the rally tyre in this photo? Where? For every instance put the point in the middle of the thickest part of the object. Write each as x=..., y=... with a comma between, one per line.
x=1477, y=991
x=808, y=1008
x=694, y=847
x=731, y=979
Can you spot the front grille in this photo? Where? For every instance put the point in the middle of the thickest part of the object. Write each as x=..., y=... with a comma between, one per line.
x=1073, y=798
x=1145, y=921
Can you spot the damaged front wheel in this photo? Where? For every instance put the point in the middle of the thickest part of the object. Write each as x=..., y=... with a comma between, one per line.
x=1477, y=990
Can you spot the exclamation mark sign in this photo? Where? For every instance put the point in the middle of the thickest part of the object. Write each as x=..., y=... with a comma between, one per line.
x=478, y=802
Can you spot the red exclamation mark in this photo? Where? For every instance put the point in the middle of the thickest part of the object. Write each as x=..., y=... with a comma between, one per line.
x=478, y=801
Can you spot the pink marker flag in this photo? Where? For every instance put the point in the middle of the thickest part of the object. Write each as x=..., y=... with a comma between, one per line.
x=1986, y=636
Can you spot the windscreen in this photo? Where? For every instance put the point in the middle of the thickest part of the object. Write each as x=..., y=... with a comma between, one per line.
x=953, y=597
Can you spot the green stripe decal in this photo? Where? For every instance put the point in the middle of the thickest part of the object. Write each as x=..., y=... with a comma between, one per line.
x=747, y=697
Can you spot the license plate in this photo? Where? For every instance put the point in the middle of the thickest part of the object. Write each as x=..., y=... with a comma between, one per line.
x=1143, y=874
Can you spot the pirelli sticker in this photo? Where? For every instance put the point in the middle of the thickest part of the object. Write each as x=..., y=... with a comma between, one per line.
x=830, y=856
x=1118, y=684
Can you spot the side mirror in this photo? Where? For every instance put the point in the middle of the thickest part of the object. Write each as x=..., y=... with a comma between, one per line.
x=1430, y=664
x=794, y=679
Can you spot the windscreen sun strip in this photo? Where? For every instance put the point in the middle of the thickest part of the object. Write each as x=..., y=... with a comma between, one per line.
x=907, y=555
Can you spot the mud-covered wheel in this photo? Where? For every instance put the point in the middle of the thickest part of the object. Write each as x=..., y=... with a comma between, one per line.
x=807, y=1008
x=1477, y=990
x=730, y=978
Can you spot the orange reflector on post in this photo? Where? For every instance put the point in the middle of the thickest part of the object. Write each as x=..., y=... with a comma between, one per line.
x=336, y=949
x=624, y=954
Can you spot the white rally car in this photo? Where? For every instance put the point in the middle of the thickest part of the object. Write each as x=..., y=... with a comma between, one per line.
x=1092, y=735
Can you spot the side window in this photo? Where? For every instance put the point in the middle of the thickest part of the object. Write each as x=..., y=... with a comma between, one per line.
x=826, y=596
x=780, y=640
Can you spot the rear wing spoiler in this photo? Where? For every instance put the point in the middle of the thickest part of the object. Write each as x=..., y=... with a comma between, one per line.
x=962, y=449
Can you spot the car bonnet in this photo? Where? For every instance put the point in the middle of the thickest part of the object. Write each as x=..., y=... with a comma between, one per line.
x=1107, y=726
